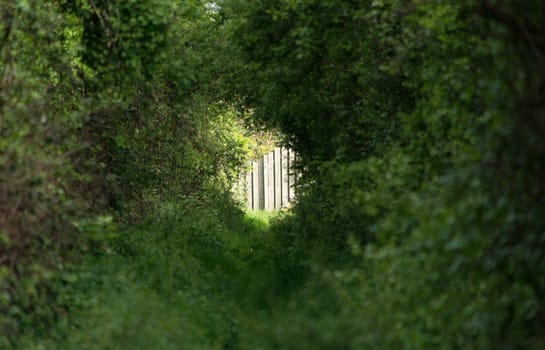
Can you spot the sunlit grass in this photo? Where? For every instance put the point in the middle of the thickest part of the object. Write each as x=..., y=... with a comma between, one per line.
x=259, y=219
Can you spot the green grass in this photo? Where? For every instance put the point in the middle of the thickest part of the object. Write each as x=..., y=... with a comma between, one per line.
x=260, y=220
x=185, y=279
x=181, y=279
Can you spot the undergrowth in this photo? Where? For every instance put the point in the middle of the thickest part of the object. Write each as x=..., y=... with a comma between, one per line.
x=188, y=278
x=183, y=278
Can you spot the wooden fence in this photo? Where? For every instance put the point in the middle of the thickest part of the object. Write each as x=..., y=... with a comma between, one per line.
x=270, y=185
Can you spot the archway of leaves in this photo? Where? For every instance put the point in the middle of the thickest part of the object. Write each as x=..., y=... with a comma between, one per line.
x=419, y=133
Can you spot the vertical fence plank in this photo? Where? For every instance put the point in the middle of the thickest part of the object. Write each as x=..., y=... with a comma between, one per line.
x=270, y=181
x=266, y=182
x=261, y=184
x=270, y=184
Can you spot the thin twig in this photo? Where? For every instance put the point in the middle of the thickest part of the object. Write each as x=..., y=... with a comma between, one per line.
x=106, y=28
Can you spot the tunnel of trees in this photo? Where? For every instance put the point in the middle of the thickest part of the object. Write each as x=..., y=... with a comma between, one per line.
x=419, y=129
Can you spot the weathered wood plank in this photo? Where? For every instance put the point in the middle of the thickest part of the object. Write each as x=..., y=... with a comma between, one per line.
x=270, y=184
x=270, y=181
x=261, y=183
x=266, y=182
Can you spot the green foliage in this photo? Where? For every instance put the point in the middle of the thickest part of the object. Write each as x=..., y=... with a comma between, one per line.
x=181, y=277
x=101, y=120
x=310, y=65
x=154, y=129
x=37, y=208
x=419, y=216
x=417, y=127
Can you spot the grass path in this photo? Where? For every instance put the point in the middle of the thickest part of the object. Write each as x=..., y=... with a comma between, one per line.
x=183, y=279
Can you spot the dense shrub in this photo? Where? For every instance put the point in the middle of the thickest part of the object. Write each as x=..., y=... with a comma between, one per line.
x=418, y=128
x=419, y=218
x=182, y=277
x=104, y=115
